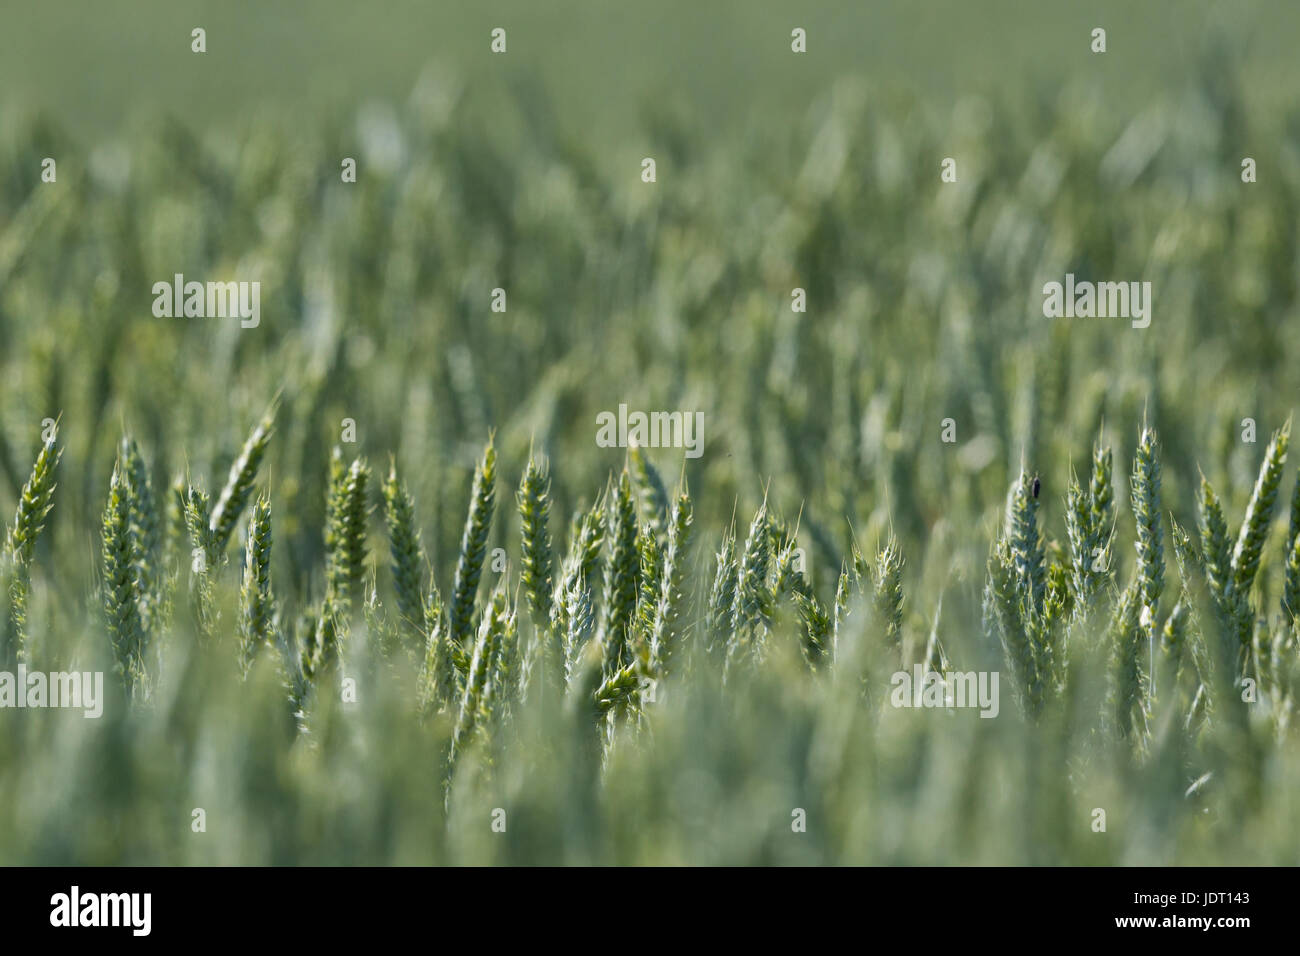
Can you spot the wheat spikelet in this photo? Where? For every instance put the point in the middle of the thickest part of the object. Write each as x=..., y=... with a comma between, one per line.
x=1128, y=690
x=1145, y=486
x=889, y=593
x=1259, y=512
x=407, y=552
x=35, y=501
x=649, y=565
x=473, y=547
x=204, y=558
x=257, y=606
x=621, y=572
x=579, y=617
x=653, y=494
x=1003, y=623
x=534, y=520
x=239, y=483
x=665, y=630
x=345, y=531
x=121, y=589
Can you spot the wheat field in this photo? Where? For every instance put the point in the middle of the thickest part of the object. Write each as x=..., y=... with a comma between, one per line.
x=388, y=573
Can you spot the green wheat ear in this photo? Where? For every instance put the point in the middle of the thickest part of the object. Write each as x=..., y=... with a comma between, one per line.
x=889, y=592
x=1128, y=688
x=1146, y=511
x=239, y=483
x=407, y=552
x=621, y=573
x=472, y=711
x=665, y=628
x=1230, y=606
x=585, y=538
x=1004, y=623
x=203, y=566
x=473, y=547
x=534, y=523
x=752, y=605
x=121, y=588
x=1259, y=513
x=654, y=496
x=1027, y=554
x=345, y=531
x=146, y=525
x=1291, y=584
x=722, y=596
x=649, y=570
x=1078, y=527
x=35, y=501
x=257, y=606
x=791, y=580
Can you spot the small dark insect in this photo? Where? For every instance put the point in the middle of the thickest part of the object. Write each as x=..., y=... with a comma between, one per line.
x=1037, y=485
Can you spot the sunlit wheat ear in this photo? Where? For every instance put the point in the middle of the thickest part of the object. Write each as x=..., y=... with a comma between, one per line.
x=621, y=572
x=121, y=589
x=1146, y=512
x=35, y=501
x=407, y=554
x=1259, y=512
x=473, y=547
x=256, y=604
x=534, y=523
x=239, y=483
